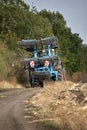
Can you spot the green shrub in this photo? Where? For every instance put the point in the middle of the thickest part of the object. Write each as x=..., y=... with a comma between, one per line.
x=8, y=62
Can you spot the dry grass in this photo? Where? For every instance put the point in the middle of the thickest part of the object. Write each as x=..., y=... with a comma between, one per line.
x=63, y=102
x=11, y=84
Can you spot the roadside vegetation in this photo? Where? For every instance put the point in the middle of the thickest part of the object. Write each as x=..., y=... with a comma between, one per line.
x=18, y=22
x=61, y=105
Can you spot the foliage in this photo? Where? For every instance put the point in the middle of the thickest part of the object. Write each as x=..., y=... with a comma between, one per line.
x=70, y=45
x=8, y=62
x=17, y=22
x=84, y=56
x=23, y=23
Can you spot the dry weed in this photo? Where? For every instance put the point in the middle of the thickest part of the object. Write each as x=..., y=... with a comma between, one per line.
x=65, y=103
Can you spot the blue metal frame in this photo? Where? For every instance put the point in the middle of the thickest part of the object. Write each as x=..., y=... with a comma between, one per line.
x=50, y=43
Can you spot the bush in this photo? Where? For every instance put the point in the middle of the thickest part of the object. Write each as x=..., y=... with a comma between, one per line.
x=8, y=62
x=79, y=77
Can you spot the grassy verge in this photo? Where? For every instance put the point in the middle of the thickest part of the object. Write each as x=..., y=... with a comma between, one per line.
x=62, y=105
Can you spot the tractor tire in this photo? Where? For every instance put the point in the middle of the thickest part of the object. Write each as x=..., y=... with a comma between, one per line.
x=54, y=78
x=60, y=77
x=41, y=84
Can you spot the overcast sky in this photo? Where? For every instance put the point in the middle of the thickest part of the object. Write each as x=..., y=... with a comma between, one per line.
x=74, y=12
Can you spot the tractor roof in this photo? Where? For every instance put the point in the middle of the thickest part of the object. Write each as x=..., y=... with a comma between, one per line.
x=31, y=44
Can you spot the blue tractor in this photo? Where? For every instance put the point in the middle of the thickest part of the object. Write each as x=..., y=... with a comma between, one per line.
x=44, y=63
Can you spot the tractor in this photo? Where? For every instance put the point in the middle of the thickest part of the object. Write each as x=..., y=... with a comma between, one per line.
x=44, y=63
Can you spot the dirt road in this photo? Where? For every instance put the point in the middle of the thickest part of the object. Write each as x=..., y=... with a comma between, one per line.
x=12, y=110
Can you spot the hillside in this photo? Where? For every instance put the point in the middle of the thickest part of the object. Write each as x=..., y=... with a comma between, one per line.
x=19, y=22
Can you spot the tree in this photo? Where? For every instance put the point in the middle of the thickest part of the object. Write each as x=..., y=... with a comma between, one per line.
x=84, y=56
x=17, y=22
x=70, y=45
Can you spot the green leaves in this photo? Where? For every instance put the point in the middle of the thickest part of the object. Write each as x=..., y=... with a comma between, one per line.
x=6, y=61
x=17, y=22
x=70, y=45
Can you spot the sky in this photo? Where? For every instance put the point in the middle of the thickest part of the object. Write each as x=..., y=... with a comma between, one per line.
x=73, y=11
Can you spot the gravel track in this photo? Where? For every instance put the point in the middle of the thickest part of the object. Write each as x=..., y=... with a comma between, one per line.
x=12, y=110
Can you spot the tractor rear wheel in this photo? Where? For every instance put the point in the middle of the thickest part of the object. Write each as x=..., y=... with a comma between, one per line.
x=41, y=83
x=60, y=76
